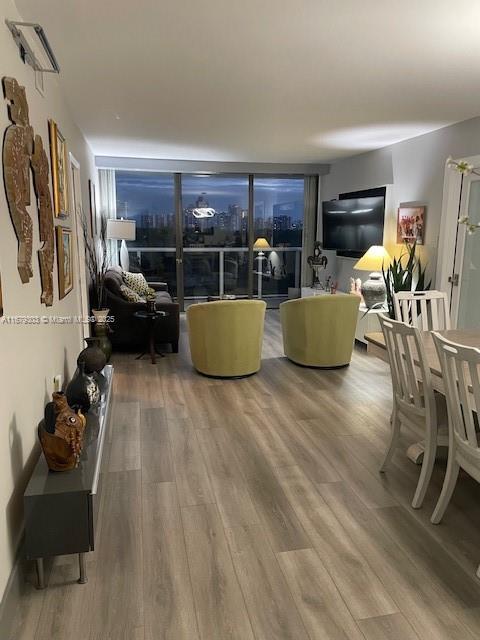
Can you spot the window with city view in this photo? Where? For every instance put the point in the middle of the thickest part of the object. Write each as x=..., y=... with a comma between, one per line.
x=215, y=230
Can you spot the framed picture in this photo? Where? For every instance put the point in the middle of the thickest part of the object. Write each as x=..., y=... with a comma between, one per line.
x=58, y=155
x=410, y=224
x=64, y=261
x=93, y=208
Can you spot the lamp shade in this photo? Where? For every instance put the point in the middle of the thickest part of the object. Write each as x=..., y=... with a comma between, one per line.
x=120, y=229
x=261, y=243
x=374, y=259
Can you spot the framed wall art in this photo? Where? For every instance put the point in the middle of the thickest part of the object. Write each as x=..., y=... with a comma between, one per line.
x=410, y=224
x=64, y=261
x=58, y=154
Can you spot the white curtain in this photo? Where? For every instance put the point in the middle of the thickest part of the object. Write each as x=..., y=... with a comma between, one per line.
x=309, y=226
x=108, y=207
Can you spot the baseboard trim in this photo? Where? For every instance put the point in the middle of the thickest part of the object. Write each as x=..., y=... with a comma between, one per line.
x=11, y=599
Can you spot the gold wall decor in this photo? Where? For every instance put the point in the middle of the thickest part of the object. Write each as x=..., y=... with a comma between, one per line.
x=58, y=155
x=46, y=253
x=17, y=149
x=64, y=261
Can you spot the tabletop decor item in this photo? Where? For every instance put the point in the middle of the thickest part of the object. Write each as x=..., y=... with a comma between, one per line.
x=61, y=434
x=92, y=356
x=317, y=262
x=101, y=330
x=375, y=260
x=82, y=391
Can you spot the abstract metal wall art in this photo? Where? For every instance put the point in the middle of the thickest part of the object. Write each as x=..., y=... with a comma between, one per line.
x=17, y=149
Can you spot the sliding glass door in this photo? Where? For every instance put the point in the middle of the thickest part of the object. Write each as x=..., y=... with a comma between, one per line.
x=215, y=235
x=209, y=235
x=149, y=199
x=278, y=229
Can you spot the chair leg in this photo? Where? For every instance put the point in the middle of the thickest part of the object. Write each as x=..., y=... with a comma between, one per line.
x=447, y=490
x=395, y=421
x=427, y=468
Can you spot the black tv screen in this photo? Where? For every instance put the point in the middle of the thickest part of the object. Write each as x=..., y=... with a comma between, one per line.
x=353, y=225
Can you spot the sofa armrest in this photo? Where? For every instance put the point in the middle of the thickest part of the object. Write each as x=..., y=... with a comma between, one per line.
x=158, y=286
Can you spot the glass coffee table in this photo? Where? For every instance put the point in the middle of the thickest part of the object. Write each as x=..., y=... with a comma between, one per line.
x=151, y=318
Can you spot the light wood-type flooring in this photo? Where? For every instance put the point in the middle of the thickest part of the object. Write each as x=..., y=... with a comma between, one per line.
x=254, y=510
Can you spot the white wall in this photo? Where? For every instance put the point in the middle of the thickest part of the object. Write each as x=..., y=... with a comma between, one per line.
x=30, y=355
x=415, y=169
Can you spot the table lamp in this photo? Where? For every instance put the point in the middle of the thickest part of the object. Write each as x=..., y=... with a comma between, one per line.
x=261, y=243
x=121, y=230
x=373, y=290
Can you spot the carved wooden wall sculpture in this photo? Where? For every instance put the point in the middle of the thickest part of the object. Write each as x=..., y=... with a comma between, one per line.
x=45, y=216
x=17, y=149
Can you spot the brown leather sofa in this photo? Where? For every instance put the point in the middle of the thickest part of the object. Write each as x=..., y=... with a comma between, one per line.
x=128, y=332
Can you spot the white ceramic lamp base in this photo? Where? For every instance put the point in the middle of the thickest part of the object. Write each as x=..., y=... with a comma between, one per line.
x=124, y=259
x=374, y=291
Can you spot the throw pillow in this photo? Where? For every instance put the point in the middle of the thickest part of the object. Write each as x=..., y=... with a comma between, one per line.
x=129, y=294
x=136, y=281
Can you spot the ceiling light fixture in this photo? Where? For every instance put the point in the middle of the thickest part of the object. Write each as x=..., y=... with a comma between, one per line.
x=203, y=212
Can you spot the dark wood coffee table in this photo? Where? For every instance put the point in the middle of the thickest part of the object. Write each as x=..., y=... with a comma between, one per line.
x=151, y=318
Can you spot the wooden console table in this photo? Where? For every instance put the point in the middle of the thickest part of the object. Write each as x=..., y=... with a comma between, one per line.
x=61, y=508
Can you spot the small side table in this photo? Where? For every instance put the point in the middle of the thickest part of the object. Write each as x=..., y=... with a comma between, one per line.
x=151, y=318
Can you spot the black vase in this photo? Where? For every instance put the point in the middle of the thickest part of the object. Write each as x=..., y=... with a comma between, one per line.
x=104, y=343
x=92, y=356
x=82, y=391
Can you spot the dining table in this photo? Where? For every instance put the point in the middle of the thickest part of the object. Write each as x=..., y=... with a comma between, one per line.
x=376, y=346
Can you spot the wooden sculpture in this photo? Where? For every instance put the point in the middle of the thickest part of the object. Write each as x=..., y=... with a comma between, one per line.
x=45, y=216
x=17, y=149
x=61, y=434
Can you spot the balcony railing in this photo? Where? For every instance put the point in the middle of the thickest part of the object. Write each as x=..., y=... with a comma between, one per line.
x=215, y=271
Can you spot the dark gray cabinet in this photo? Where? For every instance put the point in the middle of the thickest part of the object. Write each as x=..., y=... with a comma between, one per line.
x=61, y=507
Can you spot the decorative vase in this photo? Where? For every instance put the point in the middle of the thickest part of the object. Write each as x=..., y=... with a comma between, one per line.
x=374, y=290
x=92, y=356
x=103, y=339
x=82, y=391
x=100, y=315
x=61, y=434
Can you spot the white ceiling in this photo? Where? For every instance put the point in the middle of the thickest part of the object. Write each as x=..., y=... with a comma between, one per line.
x=262, y=80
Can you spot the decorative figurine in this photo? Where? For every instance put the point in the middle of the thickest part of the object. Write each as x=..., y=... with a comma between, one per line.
x=316, y=263
x=61, y=434
x=82, y=391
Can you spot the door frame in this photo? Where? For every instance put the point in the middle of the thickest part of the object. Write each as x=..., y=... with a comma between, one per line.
x=452, y=237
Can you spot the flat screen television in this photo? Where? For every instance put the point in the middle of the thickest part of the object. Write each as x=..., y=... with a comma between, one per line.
x=353, y=225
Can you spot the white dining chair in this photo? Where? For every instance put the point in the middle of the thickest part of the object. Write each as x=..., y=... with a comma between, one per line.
x=426, y=310
x=414, y=402
x=460, y=371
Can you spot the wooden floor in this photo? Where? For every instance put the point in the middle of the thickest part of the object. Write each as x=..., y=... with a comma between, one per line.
x=253, y=509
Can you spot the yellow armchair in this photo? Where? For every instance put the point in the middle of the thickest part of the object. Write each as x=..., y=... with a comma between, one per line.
x=319, y=331
x=226, y=337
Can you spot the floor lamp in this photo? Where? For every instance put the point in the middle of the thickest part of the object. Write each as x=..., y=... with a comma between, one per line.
x=121, y=230
x=260, y=243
